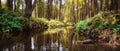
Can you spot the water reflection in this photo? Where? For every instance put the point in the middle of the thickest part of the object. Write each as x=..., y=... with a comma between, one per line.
x=59, y=39
x=32, y=43
x=54, y=39
x=16, y=47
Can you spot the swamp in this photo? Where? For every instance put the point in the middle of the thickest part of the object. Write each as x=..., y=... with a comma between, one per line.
x=59, y=25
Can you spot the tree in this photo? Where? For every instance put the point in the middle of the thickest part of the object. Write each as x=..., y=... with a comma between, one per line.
x=10, y=4
x=29, y=8
x=28, y=13
x=95, y=7
x=40, y=8
x=114, y=5
x=0, y=3
x=60, y=7
x=49, y=9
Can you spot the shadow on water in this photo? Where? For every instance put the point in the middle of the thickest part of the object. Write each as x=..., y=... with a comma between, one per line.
x=58, y=39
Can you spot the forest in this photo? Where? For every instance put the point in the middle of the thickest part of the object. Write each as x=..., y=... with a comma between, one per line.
x=60, y=23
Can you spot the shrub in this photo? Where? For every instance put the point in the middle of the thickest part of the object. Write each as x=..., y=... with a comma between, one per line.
x=38, y=22
x=83, y=25
x=53, y=23
x=10, y=21
x=100, y=22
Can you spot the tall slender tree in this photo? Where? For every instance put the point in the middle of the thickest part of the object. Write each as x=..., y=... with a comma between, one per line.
x=101, y=4
x=0, y=3
x=60, y=7
x=95, y=6
x=10, y=4
x=114, y=5
x=14, y=4
x=49, y=9
x=40, y=8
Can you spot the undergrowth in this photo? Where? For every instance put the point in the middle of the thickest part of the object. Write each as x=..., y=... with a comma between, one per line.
x=10, y=21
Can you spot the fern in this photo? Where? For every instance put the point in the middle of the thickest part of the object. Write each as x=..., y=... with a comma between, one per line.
x=10, y=21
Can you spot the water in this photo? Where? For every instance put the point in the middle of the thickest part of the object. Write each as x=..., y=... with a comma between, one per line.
x=58, y=39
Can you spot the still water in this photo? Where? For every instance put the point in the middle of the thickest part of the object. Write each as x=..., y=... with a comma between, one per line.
x=58, y=39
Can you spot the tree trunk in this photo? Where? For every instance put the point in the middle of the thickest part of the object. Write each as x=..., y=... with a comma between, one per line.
x=10, y=4
x=29, y=8
x=60, y=9
x=89, y=8
x=106, y=5
x=92, y=8
x=40, y=8
x=101, y=4
x=28, y=12
x=114, y=5
x=95, y=6
x=15, y=6
x=0, y=3
x=49, y=9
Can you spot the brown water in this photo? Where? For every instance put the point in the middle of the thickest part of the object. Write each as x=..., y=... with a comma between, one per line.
x=58, y=39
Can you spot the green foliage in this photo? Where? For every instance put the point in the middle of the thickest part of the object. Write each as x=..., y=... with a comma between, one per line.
x=100, y=21
x=53, y=23
x=44, y=21
x=116, y=27
x=83, y=25
x=38, y=20
x=10, y=21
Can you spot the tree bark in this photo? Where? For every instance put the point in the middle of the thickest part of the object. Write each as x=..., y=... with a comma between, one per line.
x=15, y=6
x=101, y=4
x=114, y=5
x=28, y=12
x=10, y=4
x=29, y=8
x=60, y=7
x=40, y=8
x=49, y=9
x=95, y=6
x=0, y=3
x=89, y=8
